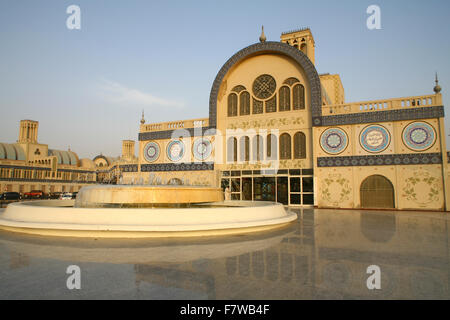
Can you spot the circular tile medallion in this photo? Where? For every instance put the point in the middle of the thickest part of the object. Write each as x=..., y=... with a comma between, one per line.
x=202, y=149
x=375, y=138
x=175, y=150
x=419, y=136
x=334, y=140
x=151, y=151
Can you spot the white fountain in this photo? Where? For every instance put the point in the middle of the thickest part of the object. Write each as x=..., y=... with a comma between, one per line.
x=144, y=211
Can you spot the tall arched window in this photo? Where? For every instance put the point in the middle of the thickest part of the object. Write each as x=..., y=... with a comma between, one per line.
x=244, y=146
x=244, y=104
x=232, y=105
x=272, y=147
x=271, y=105
x=285, y=99
x=299, y=145
x=285, y=146
x=258, y=148
x=232, y=150
x=298, y=97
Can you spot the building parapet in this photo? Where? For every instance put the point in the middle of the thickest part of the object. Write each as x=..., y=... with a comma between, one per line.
x=174, y=125
x=383, y=105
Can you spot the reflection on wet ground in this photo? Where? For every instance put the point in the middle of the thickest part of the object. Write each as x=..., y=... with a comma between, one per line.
x=323, y=255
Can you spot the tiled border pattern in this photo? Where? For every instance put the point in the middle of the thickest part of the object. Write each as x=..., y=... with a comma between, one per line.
x=167, y=134
x=380, y=160
x=194, y=166
x=384, y=116
x=129, y=168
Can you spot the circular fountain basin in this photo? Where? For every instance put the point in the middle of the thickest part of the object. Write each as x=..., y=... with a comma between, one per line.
x=61, y=218
x=145, y=196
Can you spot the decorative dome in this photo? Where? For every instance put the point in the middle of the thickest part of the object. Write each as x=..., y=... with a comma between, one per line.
x=64, y=157
x=437, y=88
x=87, y=163
x=11, y=152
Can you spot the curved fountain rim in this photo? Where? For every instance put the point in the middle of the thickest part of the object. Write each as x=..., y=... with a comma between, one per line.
x=242, y=217
x=226, y=205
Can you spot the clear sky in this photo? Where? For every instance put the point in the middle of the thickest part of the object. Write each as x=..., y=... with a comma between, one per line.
x=88, y=87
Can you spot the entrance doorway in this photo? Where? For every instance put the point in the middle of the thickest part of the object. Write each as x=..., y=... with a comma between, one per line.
x=247, y=189
x=264, y=189
x=282, y=190
x=377, y=192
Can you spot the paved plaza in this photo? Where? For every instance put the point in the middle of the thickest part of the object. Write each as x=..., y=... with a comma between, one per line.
x=325, y=254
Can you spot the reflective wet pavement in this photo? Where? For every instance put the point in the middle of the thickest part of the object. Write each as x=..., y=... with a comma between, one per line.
x=323, y=255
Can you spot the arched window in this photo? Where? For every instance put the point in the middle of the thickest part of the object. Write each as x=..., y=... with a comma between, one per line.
x=271, y=105
x=258, y=148
x=285, y=99
x=272, y=147
x=232, y=150
x=244, y=104
x=232, y=105
x=299, y=145
x=244, y=146
x=298, y=97
x=285, y=146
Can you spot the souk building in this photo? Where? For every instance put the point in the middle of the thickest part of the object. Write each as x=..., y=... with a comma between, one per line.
x=279, y=131
x=30, y=165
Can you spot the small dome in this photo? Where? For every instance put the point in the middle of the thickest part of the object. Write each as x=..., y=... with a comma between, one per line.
x=19, y=152
x=87, y=163
x=437, y=88
x=64, y=157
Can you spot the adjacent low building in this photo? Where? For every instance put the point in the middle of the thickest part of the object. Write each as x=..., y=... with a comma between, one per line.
x=29, y=165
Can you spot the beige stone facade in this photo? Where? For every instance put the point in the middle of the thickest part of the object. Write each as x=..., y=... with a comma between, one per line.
x=279, y=131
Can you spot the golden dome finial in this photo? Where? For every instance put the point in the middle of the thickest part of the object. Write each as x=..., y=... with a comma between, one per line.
x=142, y=119
x=437, y=88
x=262, y=38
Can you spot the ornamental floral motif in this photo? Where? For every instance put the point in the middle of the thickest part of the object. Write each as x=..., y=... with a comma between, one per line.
x=422, y=188
x=336, y=189
x=419, y=136
x=267, y=123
